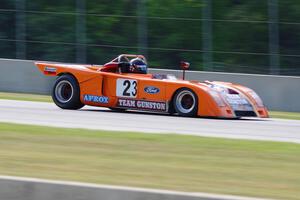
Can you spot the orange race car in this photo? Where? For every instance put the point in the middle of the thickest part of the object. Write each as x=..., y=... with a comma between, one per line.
x=124, y=83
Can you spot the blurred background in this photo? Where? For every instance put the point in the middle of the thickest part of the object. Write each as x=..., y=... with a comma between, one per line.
x=247, y=36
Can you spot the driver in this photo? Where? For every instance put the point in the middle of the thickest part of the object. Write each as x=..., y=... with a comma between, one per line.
x=138, y=65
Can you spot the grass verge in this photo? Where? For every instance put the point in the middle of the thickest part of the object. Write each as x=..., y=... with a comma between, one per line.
x=45, y=98
x=176, y=162
x=285, y=115
x=25, y=97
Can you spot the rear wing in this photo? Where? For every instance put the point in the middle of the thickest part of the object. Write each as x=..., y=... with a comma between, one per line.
x=54, y=69
x=80, y=72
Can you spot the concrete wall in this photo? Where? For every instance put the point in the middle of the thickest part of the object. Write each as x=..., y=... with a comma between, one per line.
x=278, y=92
x=14, y=188
x=22, y=76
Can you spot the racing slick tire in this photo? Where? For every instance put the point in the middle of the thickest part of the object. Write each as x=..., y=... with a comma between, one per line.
x=185, y=102
x=66, y=93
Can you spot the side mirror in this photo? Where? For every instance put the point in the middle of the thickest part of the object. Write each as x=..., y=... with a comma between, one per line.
x=184, y=66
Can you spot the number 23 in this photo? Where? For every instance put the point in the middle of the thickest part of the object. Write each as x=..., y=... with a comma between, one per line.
x=128, y=85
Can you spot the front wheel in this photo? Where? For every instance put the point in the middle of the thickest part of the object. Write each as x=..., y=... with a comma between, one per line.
x=66, y=93
x=185, y=102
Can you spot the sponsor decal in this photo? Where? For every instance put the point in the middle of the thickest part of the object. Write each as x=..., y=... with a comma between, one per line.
x=142, y=104
x=236, y=99
x=96, y=99
x=238, y=103
x=151, y=90
x=50, y=70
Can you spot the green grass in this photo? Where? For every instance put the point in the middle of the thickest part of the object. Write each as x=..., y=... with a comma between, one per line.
x=176, y=162
x=25, y=97
x=45, y=98
x=285, y=115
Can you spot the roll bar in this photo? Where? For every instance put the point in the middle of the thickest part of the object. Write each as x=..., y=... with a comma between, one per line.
x=126, y=56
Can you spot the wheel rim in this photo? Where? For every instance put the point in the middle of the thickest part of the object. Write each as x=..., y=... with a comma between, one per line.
x=185, y=101
x=64, y=91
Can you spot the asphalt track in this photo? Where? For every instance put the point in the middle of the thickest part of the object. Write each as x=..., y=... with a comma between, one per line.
x=48, y=114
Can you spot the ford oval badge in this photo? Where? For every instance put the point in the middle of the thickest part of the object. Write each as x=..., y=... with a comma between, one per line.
x=151, y=90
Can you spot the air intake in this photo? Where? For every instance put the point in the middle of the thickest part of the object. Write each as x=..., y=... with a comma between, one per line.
x=245, y=113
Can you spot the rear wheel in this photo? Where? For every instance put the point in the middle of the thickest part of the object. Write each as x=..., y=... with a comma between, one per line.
x=185, y=102
x=66, y=93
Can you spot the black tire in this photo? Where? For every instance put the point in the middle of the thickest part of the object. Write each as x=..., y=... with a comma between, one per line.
x=185, y=102
x=171, y=109
x=66, y=93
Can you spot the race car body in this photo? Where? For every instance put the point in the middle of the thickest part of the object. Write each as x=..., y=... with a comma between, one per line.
x=124, y=83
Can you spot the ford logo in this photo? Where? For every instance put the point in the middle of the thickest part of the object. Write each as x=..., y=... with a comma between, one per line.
x=151, y=90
